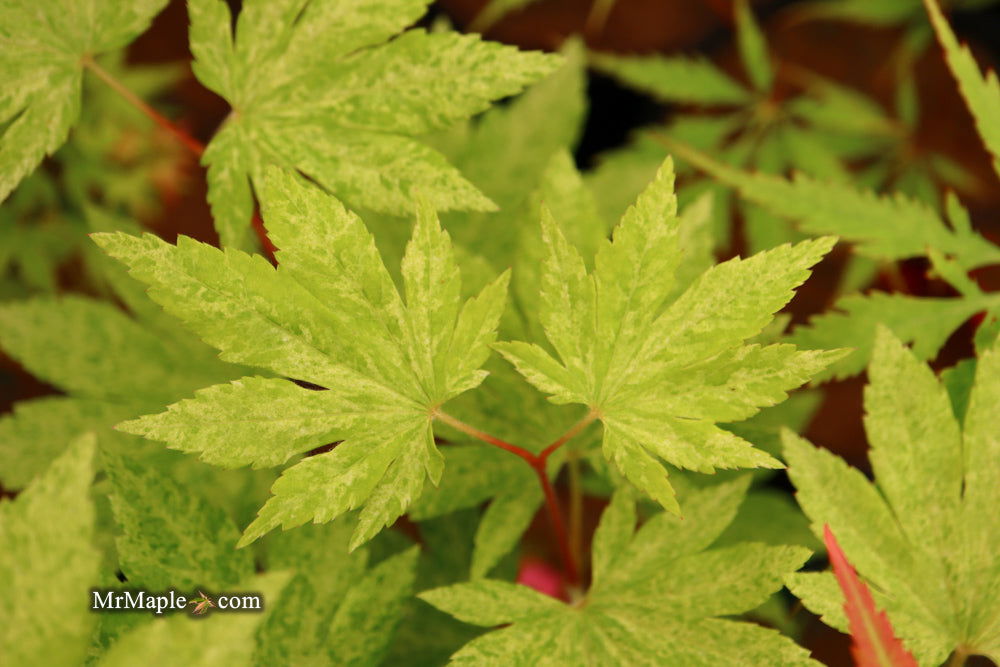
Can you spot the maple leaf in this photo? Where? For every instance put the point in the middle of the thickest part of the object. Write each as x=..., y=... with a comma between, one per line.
x=656, y=599
x=44, y=48
x=172, y=536
x=506, y=152
x=936, y=482
x=65, y=341
x=338, y=608
x=660, y=373
x=905, y=14
x=315, y=86
x=883, y=227
x=926, y=322
x=505, y=404
x=751, y=130
x=815, y=133
x=47, y=563
x=875, y=644
x=981, y=93
x=329, y=315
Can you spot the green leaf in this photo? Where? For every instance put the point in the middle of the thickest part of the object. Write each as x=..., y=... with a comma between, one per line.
x=981, y=93
x=330, y=315
x=656, y=601
x=958, y=380
x=753, y=48
x=682, y=79
x=252, y=421
x=612, y=536
x=475, y=474
x=934, y=481
x=44, y=51
x=620, y=175
x=37, y=431
x=427, y=636
x=980, y=451
x=925, y=322
x=620, y=343
x=494, y=10
x=66, y=342
x=47, y=563
x=367, y=618
x=924, y=482
x=490, y=602
x=505, y=152
x=504, y=523
x=874, y=12
x=177, y=640
x=172, y=537
x=563, y=195
x=820, y=592
x=771, y=517
x=883, y=227
x=297, y=629
x=317, y=88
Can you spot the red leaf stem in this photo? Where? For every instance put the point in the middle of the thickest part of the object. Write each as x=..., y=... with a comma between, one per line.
x=875, y=644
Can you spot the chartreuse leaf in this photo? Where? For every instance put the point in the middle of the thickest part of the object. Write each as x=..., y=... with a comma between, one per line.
x=494, y=10
x=934, y=481
x=43, y=48
x=771, y=517
x=507, y=150
x=681, y=79
x=926, y=322
x=330, y=315
x=505, y=404
x=112, y=367
x=659, y=375
x=427, y=636
x=172, y=537
x=298, y=629
x=753, y=48
x=657, y=597
x=883, y=227
x=219, y=639
x=37, y=431
x=981, y=92
x=334, y=611
x=68, y=341
x=477, y=473
x=315, y=87
x=47, y=563
x=875, y=12
x=367, y=617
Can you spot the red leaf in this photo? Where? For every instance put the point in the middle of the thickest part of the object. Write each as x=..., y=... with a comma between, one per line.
x=875, y=644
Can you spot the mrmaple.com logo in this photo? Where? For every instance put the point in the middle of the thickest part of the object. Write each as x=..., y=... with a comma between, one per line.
x=158, y=603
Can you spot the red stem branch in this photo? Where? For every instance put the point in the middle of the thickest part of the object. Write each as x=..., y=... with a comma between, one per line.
x=486, y=437
x=538, y=464
x=573, y=431
x=179, y=133
x=189, y=142
x=558, y=527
